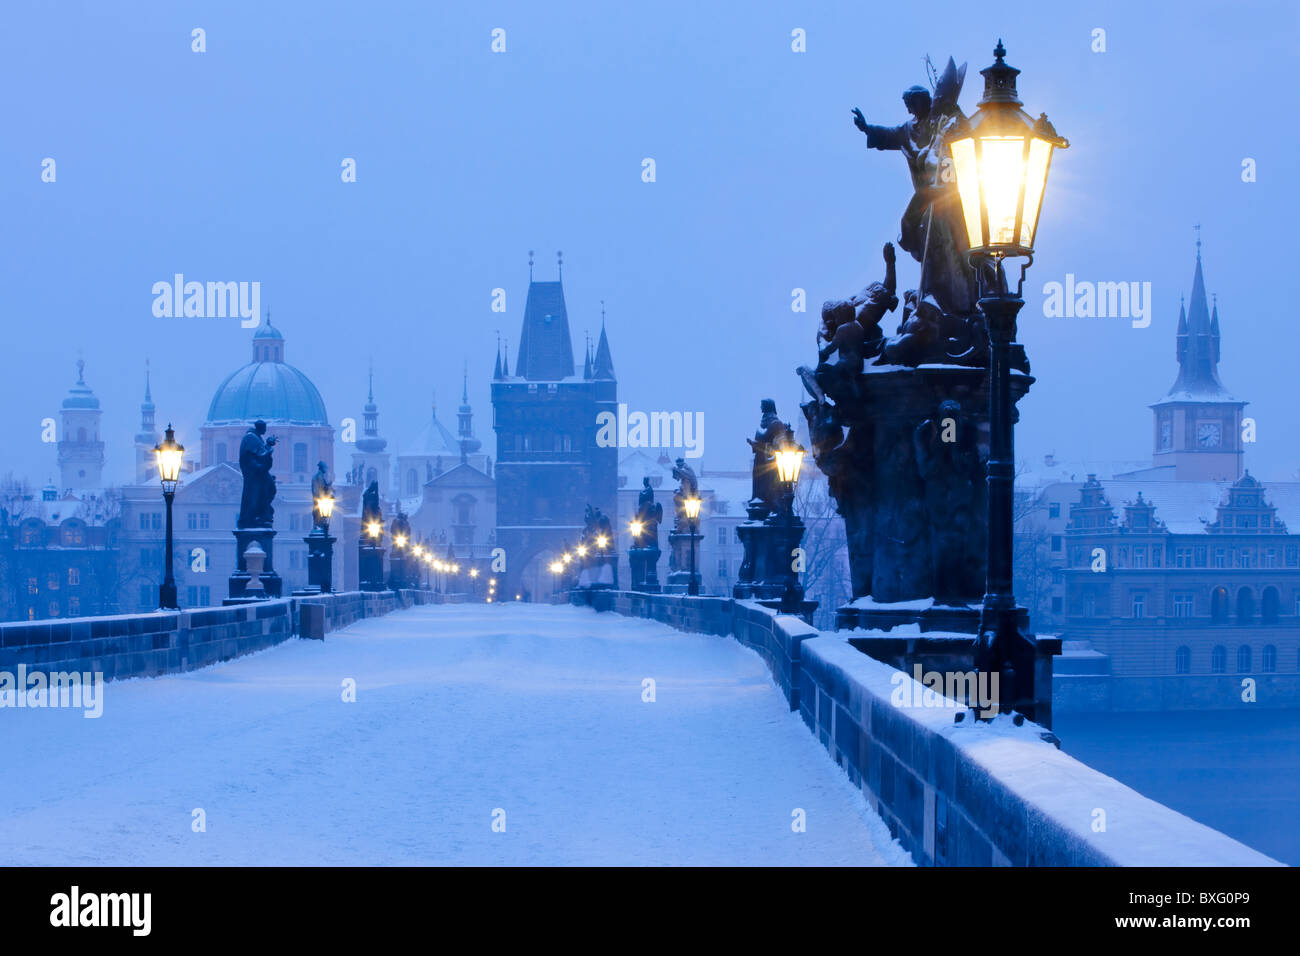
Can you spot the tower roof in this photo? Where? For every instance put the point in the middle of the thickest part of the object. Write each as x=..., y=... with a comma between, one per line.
x=604, y=365
x=80, y=395
x=1198, y=347
x=545, y=349
x=268, y=388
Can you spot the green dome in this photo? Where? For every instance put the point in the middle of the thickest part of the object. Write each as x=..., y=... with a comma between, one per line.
x=271, y=391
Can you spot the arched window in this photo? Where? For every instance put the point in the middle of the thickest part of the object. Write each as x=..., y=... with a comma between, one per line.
x=1270, y=605
x=1183, y=660
x=412, y=481
x=1245, y=606
x=1219, y=659
x=300, y=457
x=1270, y=659
x=221, y=452
x=1219, y=605
x=1243, y=659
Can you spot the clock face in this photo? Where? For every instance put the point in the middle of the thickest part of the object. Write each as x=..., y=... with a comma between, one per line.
x=1207, y=434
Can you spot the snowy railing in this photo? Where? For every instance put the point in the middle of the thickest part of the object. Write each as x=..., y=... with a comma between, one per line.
x=954, y=793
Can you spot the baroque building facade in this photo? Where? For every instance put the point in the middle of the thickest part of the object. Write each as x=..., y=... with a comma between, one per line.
x=1175, y=586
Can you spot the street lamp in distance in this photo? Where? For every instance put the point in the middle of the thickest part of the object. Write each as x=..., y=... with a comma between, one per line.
x=169, y=454
x=692, y=506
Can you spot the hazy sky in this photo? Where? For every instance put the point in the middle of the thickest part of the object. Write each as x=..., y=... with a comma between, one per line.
x=225, y=166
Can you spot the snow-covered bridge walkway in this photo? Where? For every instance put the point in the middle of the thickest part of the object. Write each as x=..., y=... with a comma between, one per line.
x=460, y=711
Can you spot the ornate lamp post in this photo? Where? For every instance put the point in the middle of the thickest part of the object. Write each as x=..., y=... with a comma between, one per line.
x=1001, y=163
x=169, y=454
x=692, y=506
x=320, y=548
x=789, y=462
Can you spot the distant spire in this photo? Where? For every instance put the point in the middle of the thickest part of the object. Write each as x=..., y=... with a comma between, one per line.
x=496, y=369
x=370, y=395
x=148, y=396
x=603, y=367
x=530, y=265
x=81, y=371
x=1197, y=338
x=559, y=265
x=1197, y=227
x=464, y=390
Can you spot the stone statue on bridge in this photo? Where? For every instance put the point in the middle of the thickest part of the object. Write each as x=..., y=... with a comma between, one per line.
x=255, y=452
x=321, y=487
x=650, y=513
x=688, y=486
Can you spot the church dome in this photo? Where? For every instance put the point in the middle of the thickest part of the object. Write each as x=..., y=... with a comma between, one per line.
x=267, y=388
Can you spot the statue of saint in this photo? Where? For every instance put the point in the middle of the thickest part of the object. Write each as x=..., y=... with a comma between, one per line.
x=933, y=228
x=401, y=526
x=370, y=509
x=321, y=487
x=649, y=512
x=255, y=509
x=688, y=486
x=770, y=434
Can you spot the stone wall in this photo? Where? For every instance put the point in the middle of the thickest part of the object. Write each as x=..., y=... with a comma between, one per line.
x=165, y=642
x=954, y=794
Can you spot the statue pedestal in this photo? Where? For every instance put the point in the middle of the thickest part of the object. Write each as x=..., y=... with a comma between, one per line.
x=271, y=583
x=679, y=561
x=320, y=563
x=370, y=568
x=397, y=571
x=768, y=571
x=644, y=564
x=913, y=495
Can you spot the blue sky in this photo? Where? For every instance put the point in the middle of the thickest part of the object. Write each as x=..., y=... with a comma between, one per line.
x=225, y=166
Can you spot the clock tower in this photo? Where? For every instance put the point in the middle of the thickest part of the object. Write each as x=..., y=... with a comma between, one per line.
x=1198, y=424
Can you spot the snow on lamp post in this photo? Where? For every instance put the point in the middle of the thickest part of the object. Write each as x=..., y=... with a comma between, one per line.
x=169, y=454
x=1001, y=159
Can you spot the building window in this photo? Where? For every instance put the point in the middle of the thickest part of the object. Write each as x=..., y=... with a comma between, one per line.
x=74, y=576
x=192, y=596
x=1054, y=510
x=1219, y=660
x=147, y=597
x=34, y=588
x=1270, y=558
x=205, y=595
x=1056, y=544
x=54, y=581
x=722, y=536
x=300, y=457
x=54, y=609
x=1139, y=557
x=722, y=567
x=74, y=606
x=1139, y=605
x=1270, y=605
x=1243, y=659
x=1183, y=605
x=1245, y=606
x=1182, y=557
x=221, y=452
x=1219, y=605
x=1199, y=555
x=1292, y=556
x=412, y=482
x=1157, y=556
x=1246, y=558
x=192, y=520
x=74, y=535
x=1220, y=557
x=1183, y=660
x=1270, y=659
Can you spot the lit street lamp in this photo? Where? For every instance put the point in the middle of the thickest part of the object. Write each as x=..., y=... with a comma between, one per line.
x=320, y=547
x=169, y=454
x=789, y=462
x=1001, y=163
x=692, y=506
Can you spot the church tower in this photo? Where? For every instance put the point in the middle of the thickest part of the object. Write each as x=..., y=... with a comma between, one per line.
x=465, y=423
x=81, y=452
x=1198, y=424
x=549, y=467
x=146, y=467
x=370, y=460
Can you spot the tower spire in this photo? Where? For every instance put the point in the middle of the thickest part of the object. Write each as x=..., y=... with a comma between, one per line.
x=530, y=265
